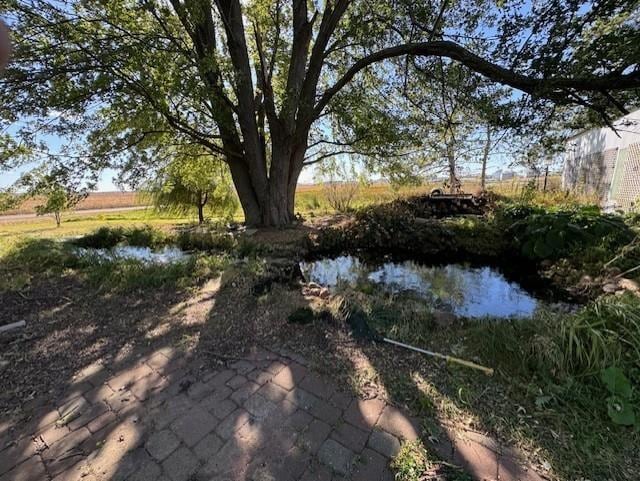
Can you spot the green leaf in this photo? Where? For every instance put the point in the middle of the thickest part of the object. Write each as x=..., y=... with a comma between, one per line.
x=542, y=401
x=555, y=238
x=620, y=411
x=616, y=382
x=528, y=248
x=542, y=249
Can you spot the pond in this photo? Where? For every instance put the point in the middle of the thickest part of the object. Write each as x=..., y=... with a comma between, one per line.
x=166, y=255
x=463, y=290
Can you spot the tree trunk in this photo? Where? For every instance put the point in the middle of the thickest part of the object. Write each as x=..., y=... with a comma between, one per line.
x=246, y=193
x=276, y=206
x=485, y=157
x=200, y=214
x=276, y=209
x=451, y=159
x=202, y=201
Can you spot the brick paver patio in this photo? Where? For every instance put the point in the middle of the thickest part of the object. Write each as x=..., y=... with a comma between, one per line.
x=266, y=417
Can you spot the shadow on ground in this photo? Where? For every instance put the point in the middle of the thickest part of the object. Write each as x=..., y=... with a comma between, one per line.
x=167, y=384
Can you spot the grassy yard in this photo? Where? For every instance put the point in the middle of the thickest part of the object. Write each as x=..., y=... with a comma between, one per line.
x=75, y=224
x=548, y=396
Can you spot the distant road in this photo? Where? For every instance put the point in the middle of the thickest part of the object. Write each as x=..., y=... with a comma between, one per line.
x=18, y=217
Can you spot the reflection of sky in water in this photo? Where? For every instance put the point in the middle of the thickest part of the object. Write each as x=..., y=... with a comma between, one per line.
x=165, y=256
x=466, y=291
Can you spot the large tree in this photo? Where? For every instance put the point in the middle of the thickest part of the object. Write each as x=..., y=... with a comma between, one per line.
x=263, y=83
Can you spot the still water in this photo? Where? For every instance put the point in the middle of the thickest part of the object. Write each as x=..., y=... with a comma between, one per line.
x=462, y=290
x=167, y=255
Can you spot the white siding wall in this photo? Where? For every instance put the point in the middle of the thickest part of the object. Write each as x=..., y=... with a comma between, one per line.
x=592, y=156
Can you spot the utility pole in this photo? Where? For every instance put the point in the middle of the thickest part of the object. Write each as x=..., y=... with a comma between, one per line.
x=546, y=176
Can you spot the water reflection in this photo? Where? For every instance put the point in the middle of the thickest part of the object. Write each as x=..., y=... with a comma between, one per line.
x=167, y=255
x=463, y=290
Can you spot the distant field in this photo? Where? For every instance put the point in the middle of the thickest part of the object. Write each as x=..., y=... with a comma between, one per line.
x=310, y=196
x=74, y=224
x=95, y=200
x=311, y=200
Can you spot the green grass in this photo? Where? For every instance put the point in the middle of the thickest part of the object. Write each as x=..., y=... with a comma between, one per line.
x=79, y=224
x=547, y=394
x=415, y=463
x=125, y=274
x=30, y=259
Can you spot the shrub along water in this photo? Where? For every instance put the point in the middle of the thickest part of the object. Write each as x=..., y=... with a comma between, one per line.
x=29, y=259
x=542, y=233
x=109, y=237
x=123, y=274
x=398, y=229
x=207, y=239
x=573, y=239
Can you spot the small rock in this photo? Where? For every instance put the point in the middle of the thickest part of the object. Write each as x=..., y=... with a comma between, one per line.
x=610, y=288
x=324, y=293
x=628, y=285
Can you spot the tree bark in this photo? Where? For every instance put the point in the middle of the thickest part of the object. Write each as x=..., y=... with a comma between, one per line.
x=485, y=157
x=451, y=159
x=276, y=209
x=200, y=214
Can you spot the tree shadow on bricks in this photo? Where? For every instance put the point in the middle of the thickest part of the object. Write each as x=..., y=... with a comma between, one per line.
x=78, y=379
x=162, y=384
x=398, y=376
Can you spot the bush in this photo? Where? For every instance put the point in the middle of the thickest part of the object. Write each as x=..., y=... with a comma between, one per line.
x=146, y=237
x=34, y=257
x=102, y=238
x=553, y=235
x=398, y=228
x=205, y=240
x=605, y=333
x=123, y=274
x=109, y=237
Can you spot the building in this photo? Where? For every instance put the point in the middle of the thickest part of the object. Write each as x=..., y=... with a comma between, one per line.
x=502, y=175
x=606, y=162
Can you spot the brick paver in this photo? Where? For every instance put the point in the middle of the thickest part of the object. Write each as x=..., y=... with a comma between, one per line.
x=161, y=444
x=336, y=456
x=266, y=417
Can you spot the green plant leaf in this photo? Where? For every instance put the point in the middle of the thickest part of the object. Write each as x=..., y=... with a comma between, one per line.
x=542, y=249
x=616, y=382
x=620, y=411
x=542, y=401
x=554, y=239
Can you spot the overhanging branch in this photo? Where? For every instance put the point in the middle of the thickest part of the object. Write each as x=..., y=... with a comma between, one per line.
x=550, y=88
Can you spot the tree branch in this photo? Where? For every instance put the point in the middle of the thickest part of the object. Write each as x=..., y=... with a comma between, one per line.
x=551, y=88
